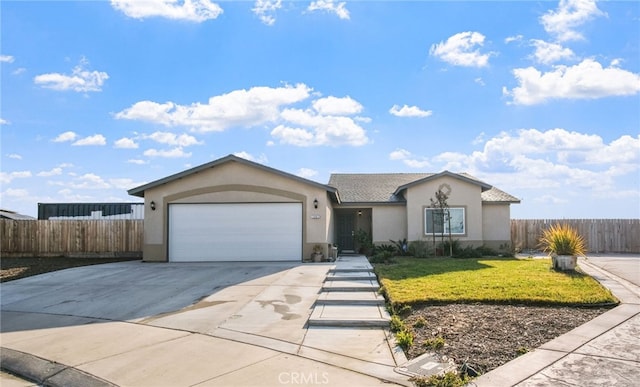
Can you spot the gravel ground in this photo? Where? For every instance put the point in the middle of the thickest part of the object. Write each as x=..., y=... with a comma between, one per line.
x=487, y=336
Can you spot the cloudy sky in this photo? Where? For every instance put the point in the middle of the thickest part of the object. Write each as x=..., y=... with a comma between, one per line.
x=541, y=99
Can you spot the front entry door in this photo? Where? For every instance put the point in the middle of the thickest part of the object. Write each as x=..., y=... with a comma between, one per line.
x=346, y=231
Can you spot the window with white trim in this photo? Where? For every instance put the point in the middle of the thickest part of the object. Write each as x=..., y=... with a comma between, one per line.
x=437, y=221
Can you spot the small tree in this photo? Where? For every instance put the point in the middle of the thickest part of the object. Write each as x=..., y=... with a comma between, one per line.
x=442, y=215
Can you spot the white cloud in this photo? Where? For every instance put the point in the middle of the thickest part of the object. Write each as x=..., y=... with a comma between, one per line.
x=53, y=172
x=4, y=122
x=16, y=192
x=66, y=136
x=96, y=139
x=586, y=80
x=137, y=161
x=294, y=136
x=548, y=53
x=19, y=71
x=571, y=14
x=125, y=143
x=7, y=177
x=399, y=154
x=262, y=159
x=409, y=111
x=239, y=108
x=89, y=181
x=189, y=10
x=307, y=173
x=169, y=138
x=516, y=38
x=14, y=156
x=462, y=49
x=266, y=10
x=80, y=80
x=124, y=183
x=6, y=58
x=326, y=122
x=533, y=159
x=307, y=128
x=176, y=152
x=479, y=81
x=550, y=199
x=337, y=106
x=331, y=7
x=409, y=159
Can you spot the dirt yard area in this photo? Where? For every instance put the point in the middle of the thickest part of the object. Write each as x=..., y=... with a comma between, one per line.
x=16, y=268
x=486, y=336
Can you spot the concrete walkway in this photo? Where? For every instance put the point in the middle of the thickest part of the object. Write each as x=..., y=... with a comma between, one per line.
x=603, y=352
x=199, y=324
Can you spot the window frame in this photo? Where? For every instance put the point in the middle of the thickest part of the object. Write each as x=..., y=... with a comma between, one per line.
x=427, y=226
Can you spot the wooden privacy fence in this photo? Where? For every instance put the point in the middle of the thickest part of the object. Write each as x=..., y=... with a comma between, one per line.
x=71, y=238
x=601, y=235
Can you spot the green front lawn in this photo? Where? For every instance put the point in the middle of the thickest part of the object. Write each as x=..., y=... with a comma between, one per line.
x=491, y=280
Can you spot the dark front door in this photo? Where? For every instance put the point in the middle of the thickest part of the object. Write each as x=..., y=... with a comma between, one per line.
x=346, y=231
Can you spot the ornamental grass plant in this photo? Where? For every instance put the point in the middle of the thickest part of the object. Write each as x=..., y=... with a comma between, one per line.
x=561, y=239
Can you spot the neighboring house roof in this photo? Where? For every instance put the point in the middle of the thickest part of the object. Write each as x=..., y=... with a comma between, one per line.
x=6, y=214
x=139, y=191
x=389, y=187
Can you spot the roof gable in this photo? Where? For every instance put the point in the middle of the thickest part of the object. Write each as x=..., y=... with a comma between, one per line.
x=139, y=191
x=463, y=177
x=390, y=187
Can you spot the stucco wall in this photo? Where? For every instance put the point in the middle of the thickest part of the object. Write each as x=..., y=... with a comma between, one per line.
x=463, y=194
x=496, y=224
x=389, y=223
x=233, y=182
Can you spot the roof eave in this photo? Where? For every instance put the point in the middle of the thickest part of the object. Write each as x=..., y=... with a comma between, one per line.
x=483, y=186
x=139, y=191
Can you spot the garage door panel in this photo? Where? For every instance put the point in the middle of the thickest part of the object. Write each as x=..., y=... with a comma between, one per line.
x=241, y=232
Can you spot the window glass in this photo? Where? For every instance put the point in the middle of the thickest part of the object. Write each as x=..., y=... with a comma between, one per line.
x=438, y=221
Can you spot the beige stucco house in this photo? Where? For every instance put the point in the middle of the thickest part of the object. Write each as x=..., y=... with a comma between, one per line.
x=235, y=209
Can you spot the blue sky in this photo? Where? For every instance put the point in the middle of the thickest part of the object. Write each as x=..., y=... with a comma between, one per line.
x=541, y=99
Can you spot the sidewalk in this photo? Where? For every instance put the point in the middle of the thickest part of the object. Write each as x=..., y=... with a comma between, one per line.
x=603, y=352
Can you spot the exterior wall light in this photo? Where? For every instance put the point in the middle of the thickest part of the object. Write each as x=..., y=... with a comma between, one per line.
x=315, y=203
x=152, y=205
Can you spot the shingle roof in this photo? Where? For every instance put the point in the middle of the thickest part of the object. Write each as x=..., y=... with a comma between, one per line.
x=372, y=187
x=497, y=195
x=388, y=187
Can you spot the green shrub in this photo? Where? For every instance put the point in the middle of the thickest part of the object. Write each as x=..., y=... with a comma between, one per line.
x=384, y=257
x=404, y=339
x=401, y=246
x=435, y=343
x=421, y=249
x=562, y=239
x=383, y=248
x=449, y=379
x=396, y=324
x=521, y=351
x=420, y=322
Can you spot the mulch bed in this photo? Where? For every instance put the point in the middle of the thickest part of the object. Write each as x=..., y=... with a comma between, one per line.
x=486, y=336
x=16, y=268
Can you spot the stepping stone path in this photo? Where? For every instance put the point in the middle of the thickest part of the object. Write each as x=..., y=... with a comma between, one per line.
x=349, y=297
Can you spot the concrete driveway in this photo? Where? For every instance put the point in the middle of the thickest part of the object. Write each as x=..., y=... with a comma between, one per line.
x=187, y=324
x=625, y=266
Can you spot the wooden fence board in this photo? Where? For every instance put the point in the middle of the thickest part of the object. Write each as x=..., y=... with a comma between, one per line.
x=601, y=235
x=71, y=237
x=125, y=237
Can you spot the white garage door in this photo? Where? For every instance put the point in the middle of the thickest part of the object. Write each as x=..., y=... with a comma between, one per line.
x=235, y=232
